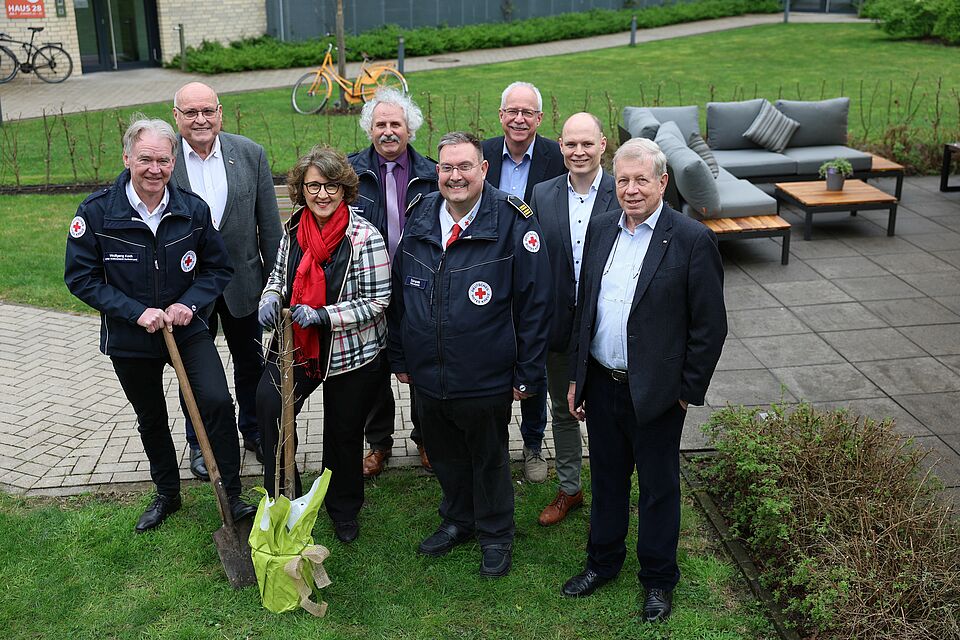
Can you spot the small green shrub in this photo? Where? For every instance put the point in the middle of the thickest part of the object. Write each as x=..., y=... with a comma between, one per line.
x=849, y=531
x=917, y=18
x=265, y=52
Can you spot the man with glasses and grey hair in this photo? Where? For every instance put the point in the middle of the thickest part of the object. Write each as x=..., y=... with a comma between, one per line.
x=392, y=176
x=148, y=258
x=232, y=175
x=648, y=333
x=520, y=159
x=468, y=326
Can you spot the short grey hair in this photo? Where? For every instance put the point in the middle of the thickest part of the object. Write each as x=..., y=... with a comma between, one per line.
x=389, y=95
x=139, y=124
x=641, y=149
x=460, y=137
x=517, y=85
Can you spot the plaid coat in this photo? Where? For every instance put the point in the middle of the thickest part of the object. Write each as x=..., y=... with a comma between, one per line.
x=358, y=325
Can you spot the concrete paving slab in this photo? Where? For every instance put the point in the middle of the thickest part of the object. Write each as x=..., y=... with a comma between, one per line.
x=910, y=375
x=922, y=311
x=872, y=344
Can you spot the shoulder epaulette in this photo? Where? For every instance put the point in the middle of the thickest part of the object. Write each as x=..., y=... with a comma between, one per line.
x=520, y=206
x=414, y=202
x=96, y=194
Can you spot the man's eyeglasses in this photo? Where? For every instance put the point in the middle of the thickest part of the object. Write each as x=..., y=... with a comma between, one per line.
x=526, y=113
x=162, y=162
x=463, y=167
x=313, y=188
x=192, y=114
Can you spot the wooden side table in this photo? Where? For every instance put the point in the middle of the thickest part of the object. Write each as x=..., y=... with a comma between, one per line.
x=948, y=150
x=812, y=197
x=883, y=168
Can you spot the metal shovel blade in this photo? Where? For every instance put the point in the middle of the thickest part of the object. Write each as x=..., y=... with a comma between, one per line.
x=234, y=548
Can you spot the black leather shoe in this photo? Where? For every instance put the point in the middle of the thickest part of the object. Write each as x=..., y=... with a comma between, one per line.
x=157, y=512
x=444, y=539
x=254, y=445
x=497, y=559
x=657, y=605
x=346, y=531
x=583, y=584
x=240, y=509
x=197, y=467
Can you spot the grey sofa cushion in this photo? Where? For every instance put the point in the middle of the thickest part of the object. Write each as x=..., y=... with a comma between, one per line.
x=747, y=163
x=696, y=142
x=822, y=122
x=644, y=122
x=695, y=183
x=809, y=159
x=727, y=121
x=771, y=129
x=740, y=198
x=640, y=122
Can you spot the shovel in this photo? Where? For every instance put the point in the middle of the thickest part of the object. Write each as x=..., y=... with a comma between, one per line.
x=287, y=417
x=232, y=538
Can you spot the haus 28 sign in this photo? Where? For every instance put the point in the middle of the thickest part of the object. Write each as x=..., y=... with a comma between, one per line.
x=25, y=9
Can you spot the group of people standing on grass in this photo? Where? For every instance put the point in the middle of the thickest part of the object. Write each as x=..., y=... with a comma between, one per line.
x=500, y=271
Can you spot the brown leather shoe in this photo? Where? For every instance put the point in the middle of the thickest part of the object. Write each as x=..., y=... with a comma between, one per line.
x=557, y=510
x=373, y=462
x=424, y=460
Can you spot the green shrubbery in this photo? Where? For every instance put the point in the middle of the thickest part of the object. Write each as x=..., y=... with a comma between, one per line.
x=267, y=53
x=917, y=18
x=848, y=529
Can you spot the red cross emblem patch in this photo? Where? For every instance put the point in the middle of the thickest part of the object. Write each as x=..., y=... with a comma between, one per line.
x=480, y=293
x=78, y=227
x=531, y=241
x=188, y=261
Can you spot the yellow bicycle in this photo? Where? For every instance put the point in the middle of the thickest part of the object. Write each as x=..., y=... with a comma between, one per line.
x=313, y=89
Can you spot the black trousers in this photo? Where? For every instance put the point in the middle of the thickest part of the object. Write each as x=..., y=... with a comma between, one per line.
x=380, y=422
x=243, y=335
x=467, y=441
x=142, y=382
x=618, y=444
x=345, y=407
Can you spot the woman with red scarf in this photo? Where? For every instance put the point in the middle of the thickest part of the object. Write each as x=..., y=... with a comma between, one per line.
x=333, y=271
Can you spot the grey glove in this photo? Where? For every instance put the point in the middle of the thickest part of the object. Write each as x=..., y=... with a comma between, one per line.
x=269, y=310
x=308, y=316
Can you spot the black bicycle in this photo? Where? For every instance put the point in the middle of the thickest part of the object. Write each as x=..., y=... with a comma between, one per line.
x=50, y=62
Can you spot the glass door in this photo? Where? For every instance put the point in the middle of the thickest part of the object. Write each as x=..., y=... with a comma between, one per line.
x=117, y=34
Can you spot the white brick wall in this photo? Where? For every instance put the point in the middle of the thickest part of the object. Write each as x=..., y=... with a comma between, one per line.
x=62, y=30
x=220, y=20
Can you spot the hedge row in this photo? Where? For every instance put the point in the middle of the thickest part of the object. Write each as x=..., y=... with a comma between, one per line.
x=266, y=52
x=917, y=18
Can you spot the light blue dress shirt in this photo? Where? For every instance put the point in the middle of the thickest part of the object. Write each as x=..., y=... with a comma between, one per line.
x=513, y=175
x=617, y=286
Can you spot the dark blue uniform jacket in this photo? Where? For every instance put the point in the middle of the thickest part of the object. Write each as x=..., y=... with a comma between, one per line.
x=117, y=266
x=472, y=321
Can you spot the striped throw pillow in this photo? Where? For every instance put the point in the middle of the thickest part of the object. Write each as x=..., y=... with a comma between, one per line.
x=698, y=144
x=771, y=129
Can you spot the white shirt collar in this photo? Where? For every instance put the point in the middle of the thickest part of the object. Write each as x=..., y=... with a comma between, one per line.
x=188, y=150
x=651, y=220
x=594, y=186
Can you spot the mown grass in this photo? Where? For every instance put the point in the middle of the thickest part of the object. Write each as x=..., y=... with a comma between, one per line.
x=74, y=569
x=889, y=82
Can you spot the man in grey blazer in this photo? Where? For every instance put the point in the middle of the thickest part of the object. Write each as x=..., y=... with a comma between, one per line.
x=564, y=207
x=231, y=173
x=649, y=330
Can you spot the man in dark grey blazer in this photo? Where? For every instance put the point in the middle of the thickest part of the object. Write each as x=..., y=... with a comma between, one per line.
x=519, y=160
x=231, y=173
x=564, y=207
x=649, y=330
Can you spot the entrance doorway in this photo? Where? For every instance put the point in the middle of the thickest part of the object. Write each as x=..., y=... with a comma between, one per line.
x=117, y=34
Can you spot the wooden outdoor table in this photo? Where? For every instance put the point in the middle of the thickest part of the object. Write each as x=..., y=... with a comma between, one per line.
x=753, y=227
x=883, y=168
x=812, y=197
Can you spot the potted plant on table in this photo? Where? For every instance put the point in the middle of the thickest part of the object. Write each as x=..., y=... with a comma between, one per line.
x=835, y=171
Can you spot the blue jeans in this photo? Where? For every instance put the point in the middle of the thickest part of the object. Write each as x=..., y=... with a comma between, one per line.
x=533, y=418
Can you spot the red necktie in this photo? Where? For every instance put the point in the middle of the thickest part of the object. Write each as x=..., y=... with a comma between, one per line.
x=454, y=234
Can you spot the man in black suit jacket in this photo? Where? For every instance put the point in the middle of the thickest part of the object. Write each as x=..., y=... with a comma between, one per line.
x=518, y=160
x=649, y=329
x=564, y=206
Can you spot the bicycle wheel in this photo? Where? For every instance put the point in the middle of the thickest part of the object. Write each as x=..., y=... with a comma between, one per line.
x=388, y=77
x=8, y=65
x=52, y=64
x=311, y=93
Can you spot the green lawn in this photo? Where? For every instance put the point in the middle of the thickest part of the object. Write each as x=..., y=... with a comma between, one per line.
x=890, y=83
x=73, y=568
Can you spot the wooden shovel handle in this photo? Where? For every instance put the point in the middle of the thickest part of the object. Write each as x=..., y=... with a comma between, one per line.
x=287, y=400
x=208, y=458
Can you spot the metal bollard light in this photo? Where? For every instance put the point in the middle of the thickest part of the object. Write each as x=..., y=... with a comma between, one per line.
x=633, y=31
x=183, y=48
x=400, y=53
